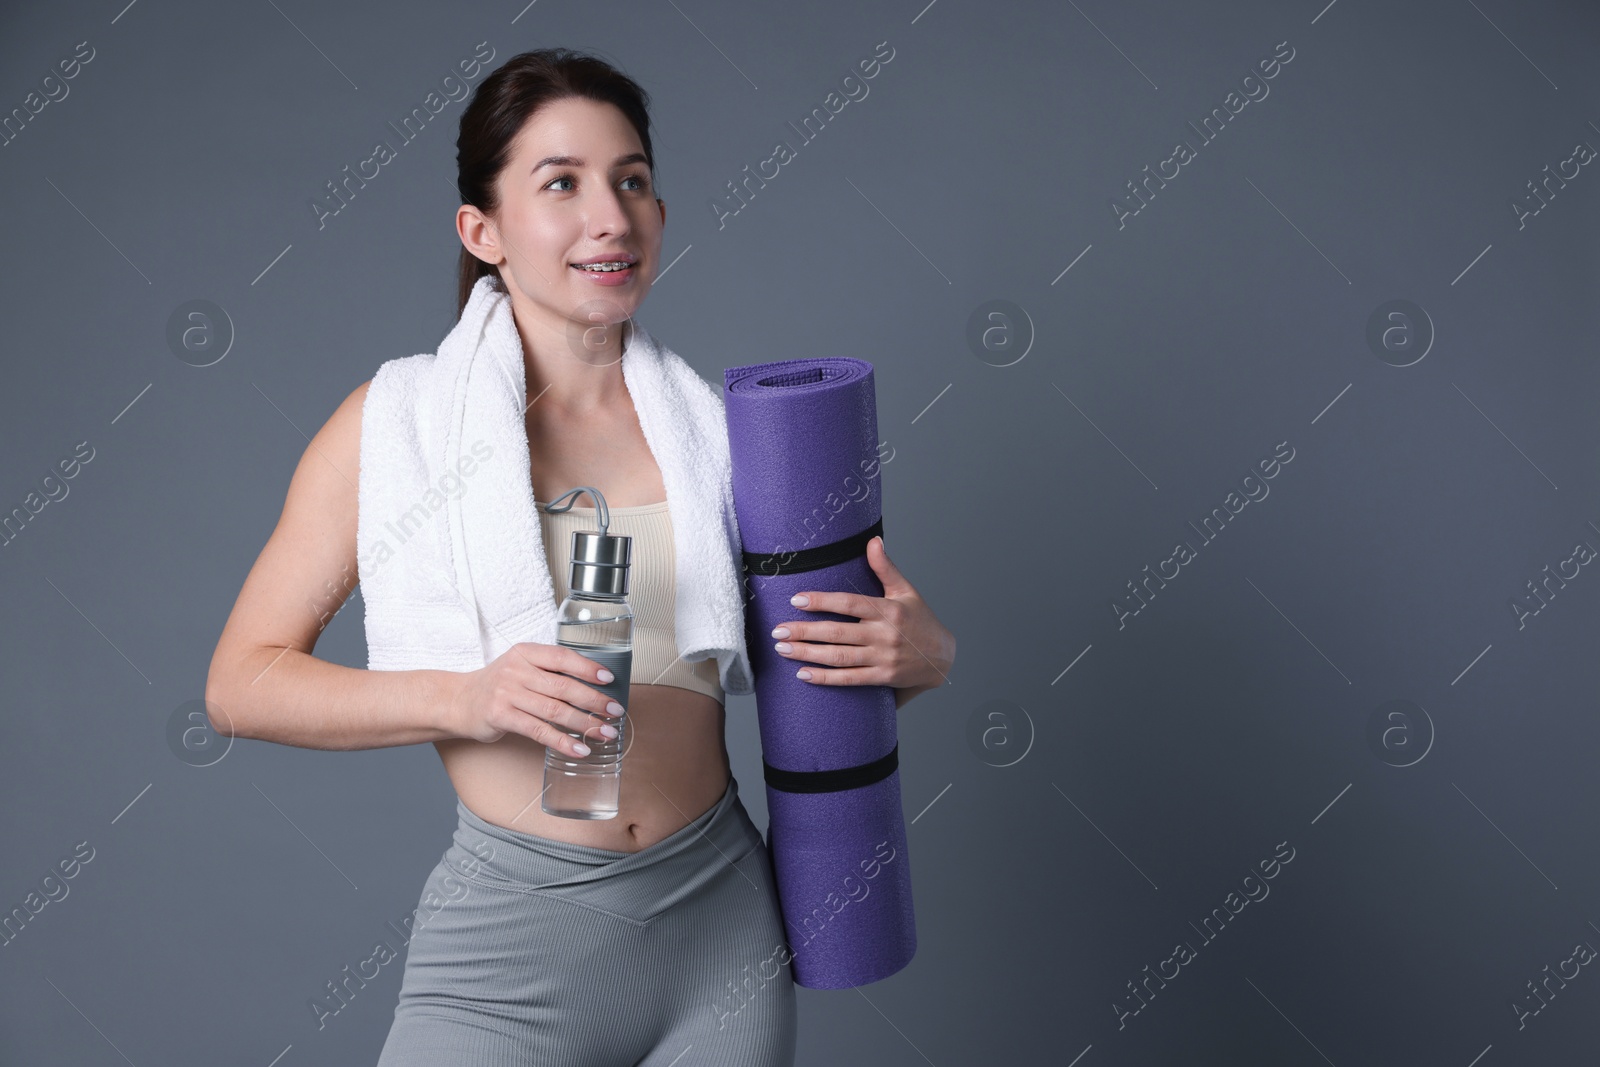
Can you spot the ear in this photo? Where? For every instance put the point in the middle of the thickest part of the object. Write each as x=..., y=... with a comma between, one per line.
x=477, y=234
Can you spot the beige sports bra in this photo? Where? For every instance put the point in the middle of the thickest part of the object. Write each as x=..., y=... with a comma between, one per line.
x=652, y=590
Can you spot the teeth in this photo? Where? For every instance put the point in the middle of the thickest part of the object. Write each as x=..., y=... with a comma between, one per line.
x=604, y=266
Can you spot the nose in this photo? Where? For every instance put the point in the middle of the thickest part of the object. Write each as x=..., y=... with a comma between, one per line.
x=606, y=214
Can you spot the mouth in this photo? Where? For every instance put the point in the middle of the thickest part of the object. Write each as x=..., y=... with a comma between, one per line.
x=615, y=264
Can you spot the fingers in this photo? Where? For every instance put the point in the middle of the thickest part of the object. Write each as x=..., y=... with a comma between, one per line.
x=852, y=604
x=528, y=715
x=834, y=633
x=825, y=655
x=558, y=673
x=563, y=659
x=552, y=722
x=552, y=705
x=846, y=676
x=580, y=696
x=856, y=605
x=894, y=583
x=575, y=706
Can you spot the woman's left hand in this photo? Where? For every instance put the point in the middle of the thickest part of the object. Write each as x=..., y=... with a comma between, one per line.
x=897, y=641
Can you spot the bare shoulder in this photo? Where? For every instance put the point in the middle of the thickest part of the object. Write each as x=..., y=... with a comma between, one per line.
x=343, y=428
x=323, y=492
x=325, y=478
x=307, y=569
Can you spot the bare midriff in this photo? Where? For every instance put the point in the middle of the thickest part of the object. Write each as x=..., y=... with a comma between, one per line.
x=674, y=768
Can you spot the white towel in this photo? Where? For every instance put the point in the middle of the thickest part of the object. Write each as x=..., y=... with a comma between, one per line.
x=450, y=550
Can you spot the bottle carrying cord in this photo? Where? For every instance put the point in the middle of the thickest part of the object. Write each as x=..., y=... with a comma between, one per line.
x=599, y=501
x=599, y=558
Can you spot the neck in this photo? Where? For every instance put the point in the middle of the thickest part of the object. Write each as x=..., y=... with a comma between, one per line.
x=575, y=371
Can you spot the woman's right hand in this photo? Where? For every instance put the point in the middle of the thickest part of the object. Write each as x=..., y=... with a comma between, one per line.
x=527, y=691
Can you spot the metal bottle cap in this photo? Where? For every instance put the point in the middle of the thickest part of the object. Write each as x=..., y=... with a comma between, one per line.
x=600, y=560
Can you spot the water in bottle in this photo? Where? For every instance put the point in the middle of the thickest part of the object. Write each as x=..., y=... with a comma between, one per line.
x=596, y=621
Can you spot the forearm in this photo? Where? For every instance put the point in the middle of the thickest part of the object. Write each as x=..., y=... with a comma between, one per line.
x=292, y=698
x=902, y=697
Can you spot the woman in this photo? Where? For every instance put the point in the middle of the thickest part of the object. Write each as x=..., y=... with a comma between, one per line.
x=572, y=942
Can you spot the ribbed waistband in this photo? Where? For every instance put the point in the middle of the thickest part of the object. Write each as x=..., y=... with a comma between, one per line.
x=663, y=873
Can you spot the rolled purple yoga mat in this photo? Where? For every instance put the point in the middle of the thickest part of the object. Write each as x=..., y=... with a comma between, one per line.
x=803, y=437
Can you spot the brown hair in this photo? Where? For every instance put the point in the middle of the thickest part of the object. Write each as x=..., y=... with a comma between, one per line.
x=500, y=106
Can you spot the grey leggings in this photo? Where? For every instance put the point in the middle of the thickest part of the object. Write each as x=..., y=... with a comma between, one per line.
x=530, y=951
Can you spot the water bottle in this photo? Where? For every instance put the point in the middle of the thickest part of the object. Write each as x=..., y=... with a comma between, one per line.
x=595, y=621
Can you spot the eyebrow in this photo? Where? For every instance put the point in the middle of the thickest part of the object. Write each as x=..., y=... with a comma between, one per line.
x=573, y=161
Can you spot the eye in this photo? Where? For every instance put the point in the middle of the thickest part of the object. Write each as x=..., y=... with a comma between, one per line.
x=642, y=179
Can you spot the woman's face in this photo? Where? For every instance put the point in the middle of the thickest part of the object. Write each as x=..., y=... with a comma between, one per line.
x=577, y=187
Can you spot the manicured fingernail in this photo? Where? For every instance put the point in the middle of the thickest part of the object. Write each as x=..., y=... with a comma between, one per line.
x=783, y=646
x=581, y=749
x=799, y=600
x=803, y=674
x=609, y=731
x=781, y=631
x=605, y=675
x=614, y=708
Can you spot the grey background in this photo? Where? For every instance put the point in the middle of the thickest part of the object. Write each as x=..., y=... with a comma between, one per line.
x=1229, y=315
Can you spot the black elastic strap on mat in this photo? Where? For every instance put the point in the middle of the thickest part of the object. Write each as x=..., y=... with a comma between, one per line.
x=832, y=781
x=772, y=564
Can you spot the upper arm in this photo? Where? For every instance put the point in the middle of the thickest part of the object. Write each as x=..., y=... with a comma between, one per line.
x=307, y=569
